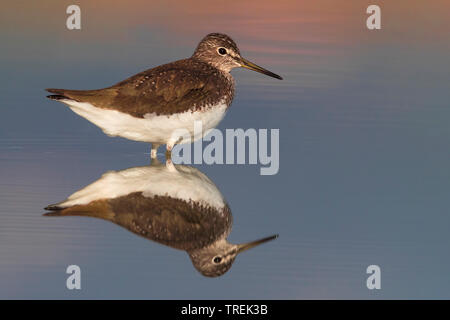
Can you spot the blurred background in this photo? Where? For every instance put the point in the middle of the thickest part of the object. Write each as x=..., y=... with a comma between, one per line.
x=364, y=148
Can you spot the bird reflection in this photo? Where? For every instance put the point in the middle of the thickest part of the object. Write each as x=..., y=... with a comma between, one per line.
x=175, y=205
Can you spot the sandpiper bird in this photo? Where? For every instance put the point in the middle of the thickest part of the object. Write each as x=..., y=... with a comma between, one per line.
x=177, y=206
x=151, y=105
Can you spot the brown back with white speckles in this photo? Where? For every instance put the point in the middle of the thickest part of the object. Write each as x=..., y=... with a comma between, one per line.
x=164, y=219
x=184, y=85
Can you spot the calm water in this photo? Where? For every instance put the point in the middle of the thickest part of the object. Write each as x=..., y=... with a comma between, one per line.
x=364, y=150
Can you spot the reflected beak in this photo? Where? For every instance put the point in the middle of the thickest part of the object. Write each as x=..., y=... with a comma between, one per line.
x=250, y=65
x=249, y=245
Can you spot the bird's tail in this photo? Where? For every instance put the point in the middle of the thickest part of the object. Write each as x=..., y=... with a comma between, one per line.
x=97, y=209
x=57, y=97
x=90, y=96
x=55, y=210
x=59, y=94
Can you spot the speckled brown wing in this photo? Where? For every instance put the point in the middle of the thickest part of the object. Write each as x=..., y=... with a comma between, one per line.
x=164, y=219
x=170, y=221
x=179, y=86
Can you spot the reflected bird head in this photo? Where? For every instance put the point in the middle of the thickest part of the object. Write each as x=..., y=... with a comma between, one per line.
x=217, y=258
x=221, y=51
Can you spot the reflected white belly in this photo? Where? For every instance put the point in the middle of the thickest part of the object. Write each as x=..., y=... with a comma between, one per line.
x=185, y=183
x=152, y=128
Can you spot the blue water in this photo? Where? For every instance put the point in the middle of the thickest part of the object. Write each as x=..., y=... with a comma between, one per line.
x=364, y=171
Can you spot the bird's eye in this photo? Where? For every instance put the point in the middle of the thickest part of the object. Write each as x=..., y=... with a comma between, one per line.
x=217, y=259
x=222, y=51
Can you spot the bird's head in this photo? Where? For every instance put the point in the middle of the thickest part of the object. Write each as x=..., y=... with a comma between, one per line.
x=220, y=51
x=217, y=258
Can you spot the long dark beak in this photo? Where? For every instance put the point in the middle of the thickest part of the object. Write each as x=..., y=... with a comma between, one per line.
x=249, y=245
x=250, y=65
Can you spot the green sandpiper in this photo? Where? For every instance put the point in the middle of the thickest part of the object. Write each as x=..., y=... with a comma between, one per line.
x=152, y=104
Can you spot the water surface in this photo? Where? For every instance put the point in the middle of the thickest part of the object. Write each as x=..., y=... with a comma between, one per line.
x=364, y=149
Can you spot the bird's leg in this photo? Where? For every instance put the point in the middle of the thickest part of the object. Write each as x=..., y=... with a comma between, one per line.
x=169, y=152
x=170, y=166
x=169, y=147
x=154, y=151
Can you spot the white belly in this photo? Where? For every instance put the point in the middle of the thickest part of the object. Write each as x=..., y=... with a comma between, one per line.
x=185, y=183
x=152, y=128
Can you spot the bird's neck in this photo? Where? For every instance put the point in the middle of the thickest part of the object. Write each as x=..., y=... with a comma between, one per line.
x=224, y=70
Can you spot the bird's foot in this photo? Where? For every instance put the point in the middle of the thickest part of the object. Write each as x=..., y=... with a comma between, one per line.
x=169, y=147
x=154, y=151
